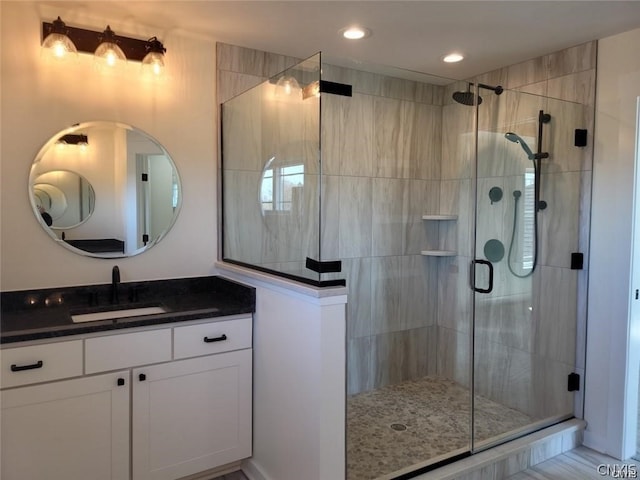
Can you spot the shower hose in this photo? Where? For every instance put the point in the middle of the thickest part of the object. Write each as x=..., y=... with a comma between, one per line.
x=516, y=195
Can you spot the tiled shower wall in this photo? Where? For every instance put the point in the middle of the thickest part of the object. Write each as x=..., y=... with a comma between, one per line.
x=399, y=149
x=381, y=154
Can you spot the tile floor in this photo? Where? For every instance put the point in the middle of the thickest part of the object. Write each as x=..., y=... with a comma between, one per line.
x=409, y=423
x=580, y=463
x=375, y=449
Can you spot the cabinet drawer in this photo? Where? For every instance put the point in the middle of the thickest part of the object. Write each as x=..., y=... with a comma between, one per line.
x=40, y=363
x=213, y=337
x=127, y=350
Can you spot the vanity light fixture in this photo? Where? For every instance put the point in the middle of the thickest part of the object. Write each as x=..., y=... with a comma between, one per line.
x=109, y=49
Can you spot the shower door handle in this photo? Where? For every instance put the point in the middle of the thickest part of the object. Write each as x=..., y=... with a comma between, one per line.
x=473, y=276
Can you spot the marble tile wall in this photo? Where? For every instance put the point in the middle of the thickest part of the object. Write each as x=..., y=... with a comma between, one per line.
x=381, y=154
x=240, y=68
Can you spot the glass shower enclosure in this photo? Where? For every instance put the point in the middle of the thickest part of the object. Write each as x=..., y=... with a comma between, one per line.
x=272, y=177
x=459, y=228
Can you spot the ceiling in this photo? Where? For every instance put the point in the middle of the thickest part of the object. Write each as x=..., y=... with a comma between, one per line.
x=412, y=35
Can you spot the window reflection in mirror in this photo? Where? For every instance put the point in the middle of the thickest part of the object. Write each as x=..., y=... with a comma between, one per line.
x=117, y=195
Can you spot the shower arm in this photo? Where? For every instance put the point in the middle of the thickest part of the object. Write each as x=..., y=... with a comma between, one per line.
x=497, y=89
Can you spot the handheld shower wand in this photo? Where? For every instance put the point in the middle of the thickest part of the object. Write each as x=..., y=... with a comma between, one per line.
x=515, y=138
x=536, y=158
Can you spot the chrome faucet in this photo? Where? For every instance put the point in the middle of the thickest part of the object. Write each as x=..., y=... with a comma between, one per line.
x=115, y=280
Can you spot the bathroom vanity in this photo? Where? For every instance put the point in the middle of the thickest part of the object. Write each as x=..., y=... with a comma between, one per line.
x=158, y=396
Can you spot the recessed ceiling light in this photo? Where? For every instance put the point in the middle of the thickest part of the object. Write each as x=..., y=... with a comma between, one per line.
x=355, y=33
x=452, y=58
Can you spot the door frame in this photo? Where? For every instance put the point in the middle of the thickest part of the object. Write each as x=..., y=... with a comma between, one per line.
x=632, y=383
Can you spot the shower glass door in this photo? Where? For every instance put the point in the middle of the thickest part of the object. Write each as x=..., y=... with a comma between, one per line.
x=532, y=195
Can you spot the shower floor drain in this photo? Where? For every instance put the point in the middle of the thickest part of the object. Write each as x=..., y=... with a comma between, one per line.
x=398, y=427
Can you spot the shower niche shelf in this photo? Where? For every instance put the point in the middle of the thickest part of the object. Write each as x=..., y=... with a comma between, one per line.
x=439, y=252
x=440, y=217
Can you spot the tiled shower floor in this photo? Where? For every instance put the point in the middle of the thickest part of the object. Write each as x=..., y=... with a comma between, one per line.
x=436, y=414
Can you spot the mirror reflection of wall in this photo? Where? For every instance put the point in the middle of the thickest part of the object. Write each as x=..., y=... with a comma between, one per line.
x=122, y=190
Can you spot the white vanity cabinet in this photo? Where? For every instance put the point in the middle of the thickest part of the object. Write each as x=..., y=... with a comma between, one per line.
x=67, y=430
x=191, y=415
x=181, y=392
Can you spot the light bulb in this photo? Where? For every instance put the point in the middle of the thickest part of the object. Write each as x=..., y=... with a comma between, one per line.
x=59, y=49
x=287, y=86
x=153, y=63
x=311, y=90
x=108, y=53
x=111, y=58
x=57, y=44
x=84, y=146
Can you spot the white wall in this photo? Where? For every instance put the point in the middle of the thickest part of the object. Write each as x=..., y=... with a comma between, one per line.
x=299, y=380
x=609, y=343
x=39, y=99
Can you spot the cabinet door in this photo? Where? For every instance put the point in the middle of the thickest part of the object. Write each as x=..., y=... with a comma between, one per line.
x=68, y=430
x=191, y=415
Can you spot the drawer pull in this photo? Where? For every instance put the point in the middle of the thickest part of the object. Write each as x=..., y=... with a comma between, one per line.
x=121, y=382
x=20, y=368
x=142, y=377
x=215, y=339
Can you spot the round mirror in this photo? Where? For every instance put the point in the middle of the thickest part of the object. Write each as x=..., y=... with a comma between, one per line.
x=63, y=198
x=105, y=189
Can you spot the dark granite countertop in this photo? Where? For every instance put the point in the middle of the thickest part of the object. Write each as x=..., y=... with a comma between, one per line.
x=46, y=313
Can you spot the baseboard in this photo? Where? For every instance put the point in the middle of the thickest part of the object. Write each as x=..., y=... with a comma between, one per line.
x=597, y=443
x=214, y=472
x=252, y=471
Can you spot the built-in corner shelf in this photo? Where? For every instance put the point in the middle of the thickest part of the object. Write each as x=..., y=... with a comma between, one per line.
x=439, y=253
x=439, y=217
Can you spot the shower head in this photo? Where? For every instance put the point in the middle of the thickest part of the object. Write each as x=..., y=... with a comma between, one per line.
x=467, y=98
x=512, y=137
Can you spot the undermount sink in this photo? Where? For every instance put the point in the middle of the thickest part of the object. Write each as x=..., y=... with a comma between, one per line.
x=115, y=314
